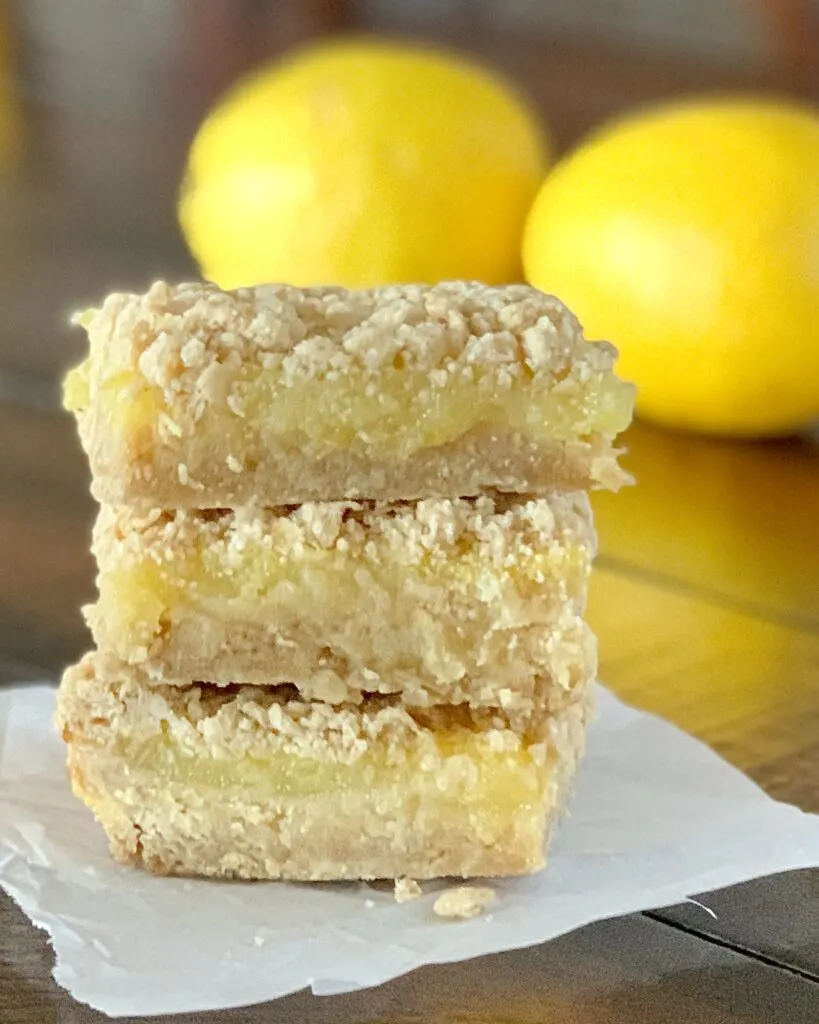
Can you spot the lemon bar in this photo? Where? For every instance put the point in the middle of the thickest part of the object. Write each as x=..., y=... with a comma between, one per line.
x=193, y=397
x=251, y=782
x=465, y=600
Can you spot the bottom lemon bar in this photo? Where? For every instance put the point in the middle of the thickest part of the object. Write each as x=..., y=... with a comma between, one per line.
x=255, y=783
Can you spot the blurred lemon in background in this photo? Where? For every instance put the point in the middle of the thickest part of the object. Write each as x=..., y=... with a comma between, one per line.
x=689, y=236
x=363, y=162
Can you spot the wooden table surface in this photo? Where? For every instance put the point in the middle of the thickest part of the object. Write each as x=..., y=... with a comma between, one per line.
x=705, y=599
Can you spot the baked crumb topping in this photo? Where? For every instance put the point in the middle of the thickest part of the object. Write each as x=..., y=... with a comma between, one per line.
x=500, y=529
x=102, y=701
x=194, y=336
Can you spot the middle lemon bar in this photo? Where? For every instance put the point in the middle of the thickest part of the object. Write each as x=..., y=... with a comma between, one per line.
x=471, y=601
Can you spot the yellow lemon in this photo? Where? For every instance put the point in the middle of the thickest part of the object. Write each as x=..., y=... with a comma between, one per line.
x=689, y=236
x=363, y=162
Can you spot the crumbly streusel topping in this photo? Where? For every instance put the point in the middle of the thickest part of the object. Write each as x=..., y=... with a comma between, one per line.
x=103, y=702
x=191, y=328
x=499, y=529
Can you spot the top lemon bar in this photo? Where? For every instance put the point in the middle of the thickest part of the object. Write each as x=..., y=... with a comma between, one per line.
x=193, y=397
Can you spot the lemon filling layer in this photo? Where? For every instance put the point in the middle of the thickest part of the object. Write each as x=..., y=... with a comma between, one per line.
x=396, y=415
x=458, y=767
x=464, y=782
x=257, y=586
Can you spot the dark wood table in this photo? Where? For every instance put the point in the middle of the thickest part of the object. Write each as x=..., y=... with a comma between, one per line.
x=706, y=597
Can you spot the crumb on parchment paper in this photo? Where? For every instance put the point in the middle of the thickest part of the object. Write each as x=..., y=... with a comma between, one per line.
x=463, y=901
x=406, y=889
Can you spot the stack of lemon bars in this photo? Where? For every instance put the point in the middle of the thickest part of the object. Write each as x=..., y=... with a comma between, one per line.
x=343, y=549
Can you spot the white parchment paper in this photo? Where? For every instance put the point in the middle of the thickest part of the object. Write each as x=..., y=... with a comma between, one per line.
x=656, y=816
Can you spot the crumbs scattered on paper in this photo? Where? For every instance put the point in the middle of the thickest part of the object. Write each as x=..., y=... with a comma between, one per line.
x=464, y=901
x=406, y=889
